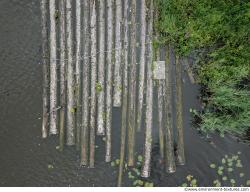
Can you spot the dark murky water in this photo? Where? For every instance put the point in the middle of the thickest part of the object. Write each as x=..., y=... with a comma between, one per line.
x=24, y=156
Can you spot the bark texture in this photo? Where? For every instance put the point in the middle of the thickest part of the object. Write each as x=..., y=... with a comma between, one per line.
x=169, y=145
x=124, y=95
x=62, y=74
x=53, y=68
x=109, y=79
x=78, y=71
x=142, y=65
x=132, y=87
x=70, y=76
x=93, y=83
x=45, y=62
x=85, y=85
x=101, y=71
x=118, y=47
x=149, y=99
x=179, y=117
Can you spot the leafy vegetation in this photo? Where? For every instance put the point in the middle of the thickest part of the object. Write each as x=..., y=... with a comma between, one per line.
x=229, y=172
x=133, y=173
x=217, y=33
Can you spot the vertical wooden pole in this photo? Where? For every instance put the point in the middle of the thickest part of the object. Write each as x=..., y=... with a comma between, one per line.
x=109, y=79
x=45, y=62
x=101, y=70
x=132, y=87
x=85, y=84
x=149, y=99
x=169, y=144
x=142, y=65
x=124, y=95
x=78, y=71
x=53, y=68
x=179, y=116
x=93, y=83
x=160, y=96
x=118, y=47
x=62, y=74
x=70, y=76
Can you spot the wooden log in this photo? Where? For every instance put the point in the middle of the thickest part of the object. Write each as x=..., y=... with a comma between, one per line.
x=109, y=79
x=160, y=96
x=169, y=144
x=93, y=83
x=124, y=95
x=118, y=47
x=85, y=84
x=141, y=87
x=132, y=87
x=149, y=99
x=53, y=68
x=101, y=70
x=70, y=139
x=78, y=63
x=62, y=74
x=45, y=63
x=179, y=117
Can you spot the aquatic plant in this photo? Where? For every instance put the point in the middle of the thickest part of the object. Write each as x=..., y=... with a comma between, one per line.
x=226, y=170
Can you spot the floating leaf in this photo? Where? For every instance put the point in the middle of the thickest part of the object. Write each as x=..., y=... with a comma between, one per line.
x=117, y=161
x=220, y=172
x=112, y=163
x=248, y=182
x=57, y=147
x=189, y=177
x=224, y=178
x=217, y=183
x=50, y=166
x=140, y=158
x=213, y=166
x=230, y=164
x=242, y=174
x=232, y=181
x=194, y=182
x=223, y=161
x=238, y=152
x=184, y=185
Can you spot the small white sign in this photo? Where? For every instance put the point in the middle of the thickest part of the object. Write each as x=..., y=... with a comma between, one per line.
x=159, y=70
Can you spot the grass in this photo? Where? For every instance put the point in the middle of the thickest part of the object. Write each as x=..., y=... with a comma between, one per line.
x=217, y=33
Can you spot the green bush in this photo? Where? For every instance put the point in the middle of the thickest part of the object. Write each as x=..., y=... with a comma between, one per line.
x=219, y=31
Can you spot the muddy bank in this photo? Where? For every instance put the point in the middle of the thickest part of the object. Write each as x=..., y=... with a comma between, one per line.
x=25, y=156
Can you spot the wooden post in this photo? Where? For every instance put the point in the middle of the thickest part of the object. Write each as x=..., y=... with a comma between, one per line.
x=53, y=68
x=101, y=70
x=124, y=95
x=93, y=83
x=169, y=144
x=149, y=99
x=78, y=71
x=70, y=76
x=109, y=79
x=118, y=47
x=142, y=65
x=85, y=84
x=62, y=74
x=179, y=116
x=132, y=87
x=45, y=62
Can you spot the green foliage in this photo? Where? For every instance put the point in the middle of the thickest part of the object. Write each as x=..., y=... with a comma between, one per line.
x=225, y=173
x=133, y=173
x=219, y=34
